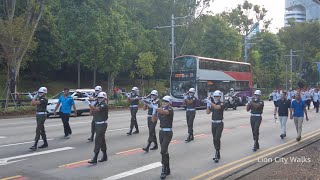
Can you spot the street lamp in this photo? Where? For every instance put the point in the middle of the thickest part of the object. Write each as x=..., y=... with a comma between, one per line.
x=291, y=55
x=172, y=43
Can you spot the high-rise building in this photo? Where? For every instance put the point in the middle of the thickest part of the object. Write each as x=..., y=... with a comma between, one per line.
x=302, y=10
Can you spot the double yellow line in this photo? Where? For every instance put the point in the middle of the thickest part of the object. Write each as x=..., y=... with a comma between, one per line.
x=12, y=177
x=253, y=157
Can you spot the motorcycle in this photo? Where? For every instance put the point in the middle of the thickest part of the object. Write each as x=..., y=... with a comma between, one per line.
x=231, y=102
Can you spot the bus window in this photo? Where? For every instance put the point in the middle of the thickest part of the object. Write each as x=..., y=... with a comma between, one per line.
x=180, y=87
x=185, y=64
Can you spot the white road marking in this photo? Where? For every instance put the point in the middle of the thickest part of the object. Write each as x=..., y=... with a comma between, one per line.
x=134, y=171
x=2, y=137
x=4, y=161
x=7, y=145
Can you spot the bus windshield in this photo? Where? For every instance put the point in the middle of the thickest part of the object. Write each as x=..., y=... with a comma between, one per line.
x=181, y=87
x=186, y=63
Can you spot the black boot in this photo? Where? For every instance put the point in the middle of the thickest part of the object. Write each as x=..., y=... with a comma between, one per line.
x=216, y=157
x=34, y=147
x=257, y=144
x=44, y=145
x=104, y=156
x=130, y=132
x=163, y=172
x=188, y=138
x=254, y=147
x=146, y=149
x=94, y=159
x=168, y=172
x=136, y=132
x=155, y=146
x=91, y=138
x=218, y=154
x=191, y=138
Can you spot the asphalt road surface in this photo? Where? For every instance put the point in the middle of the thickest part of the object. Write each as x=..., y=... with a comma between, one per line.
x=67, y=158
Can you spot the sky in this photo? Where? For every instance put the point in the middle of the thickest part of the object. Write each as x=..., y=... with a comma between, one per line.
x=276, y=9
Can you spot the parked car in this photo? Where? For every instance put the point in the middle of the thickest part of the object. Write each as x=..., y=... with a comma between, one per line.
x=79, y=95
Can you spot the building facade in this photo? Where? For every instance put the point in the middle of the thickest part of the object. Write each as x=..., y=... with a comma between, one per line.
x=302, y=10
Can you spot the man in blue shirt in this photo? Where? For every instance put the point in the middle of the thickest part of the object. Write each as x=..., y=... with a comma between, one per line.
x=66, y=102
x=298, y=107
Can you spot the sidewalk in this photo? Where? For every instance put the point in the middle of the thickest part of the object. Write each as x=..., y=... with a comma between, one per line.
x=302, y=164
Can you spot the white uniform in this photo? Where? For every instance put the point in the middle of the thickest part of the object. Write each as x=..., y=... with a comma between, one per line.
x=316, y=96
x=303, y=96
x=274, y=96
x=289, y=95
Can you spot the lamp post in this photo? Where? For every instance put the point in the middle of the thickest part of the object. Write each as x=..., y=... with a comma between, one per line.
x=291, y=59
x=172, y=43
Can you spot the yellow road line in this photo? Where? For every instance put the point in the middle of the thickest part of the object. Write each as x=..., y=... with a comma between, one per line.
x=12, y=177
x=70, y=164
x=255, y=159
x=245, y=158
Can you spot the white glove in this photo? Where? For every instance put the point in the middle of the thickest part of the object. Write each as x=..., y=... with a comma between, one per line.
x=249, y=99
x=185, y=97
x=30, y=96
x=35, y=96
x=208, y=102
x=87, y=102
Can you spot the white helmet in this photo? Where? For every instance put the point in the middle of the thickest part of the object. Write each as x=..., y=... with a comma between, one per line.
x=167, y=99
x=135, y=89
x=257, y=92
x=192, y=90
x=102, y=95
x=217, y=93
x=98, y=88
x=43, y=90
x=154, y=92
x=231, y=89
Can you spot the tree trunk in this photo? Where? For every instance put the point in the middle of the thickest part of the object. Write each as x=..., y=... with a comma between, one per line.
x=79, y=85
x=11, y=83
x=110, y=84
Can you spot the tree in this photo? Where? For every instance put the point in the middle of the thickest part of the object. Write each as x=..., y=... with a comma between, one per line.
x=221, y=41
x=144, y=66
x=303, y=36
x=18, y=23
x=266, y=59
x=245, y=15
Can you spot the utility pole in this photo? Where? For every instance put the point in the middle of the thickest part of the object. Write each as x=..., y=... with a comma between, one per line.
x=172, y=43
x=246, y=41
x=291, y=59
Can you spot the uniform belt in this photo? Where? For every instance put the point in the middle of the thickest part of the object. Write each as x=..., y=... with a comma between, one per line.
x=133, y=105
x=216, y=121
x=166, y=129
x=41, y=113
x=191, y=109
x=101, y=122
x=255, y=114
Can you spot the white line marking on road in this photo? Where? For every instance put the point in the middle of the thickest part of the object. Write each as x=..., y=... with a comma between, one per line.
x=134, y=171
x=2, y=137
x=7, y=145
x=4, y=161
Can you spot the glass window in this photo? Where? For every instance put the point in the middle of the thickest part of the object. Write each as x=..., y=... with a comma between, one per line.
x=223, y=66
x=178, y=88
x=185, y=64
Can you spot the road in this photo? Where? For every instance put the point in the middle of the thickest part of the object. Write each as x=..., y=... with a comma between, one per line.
x=67, y=158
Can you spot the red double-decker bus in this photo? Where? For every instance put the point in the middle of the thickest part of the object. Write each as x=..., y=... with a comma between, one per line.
x=207, y=75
